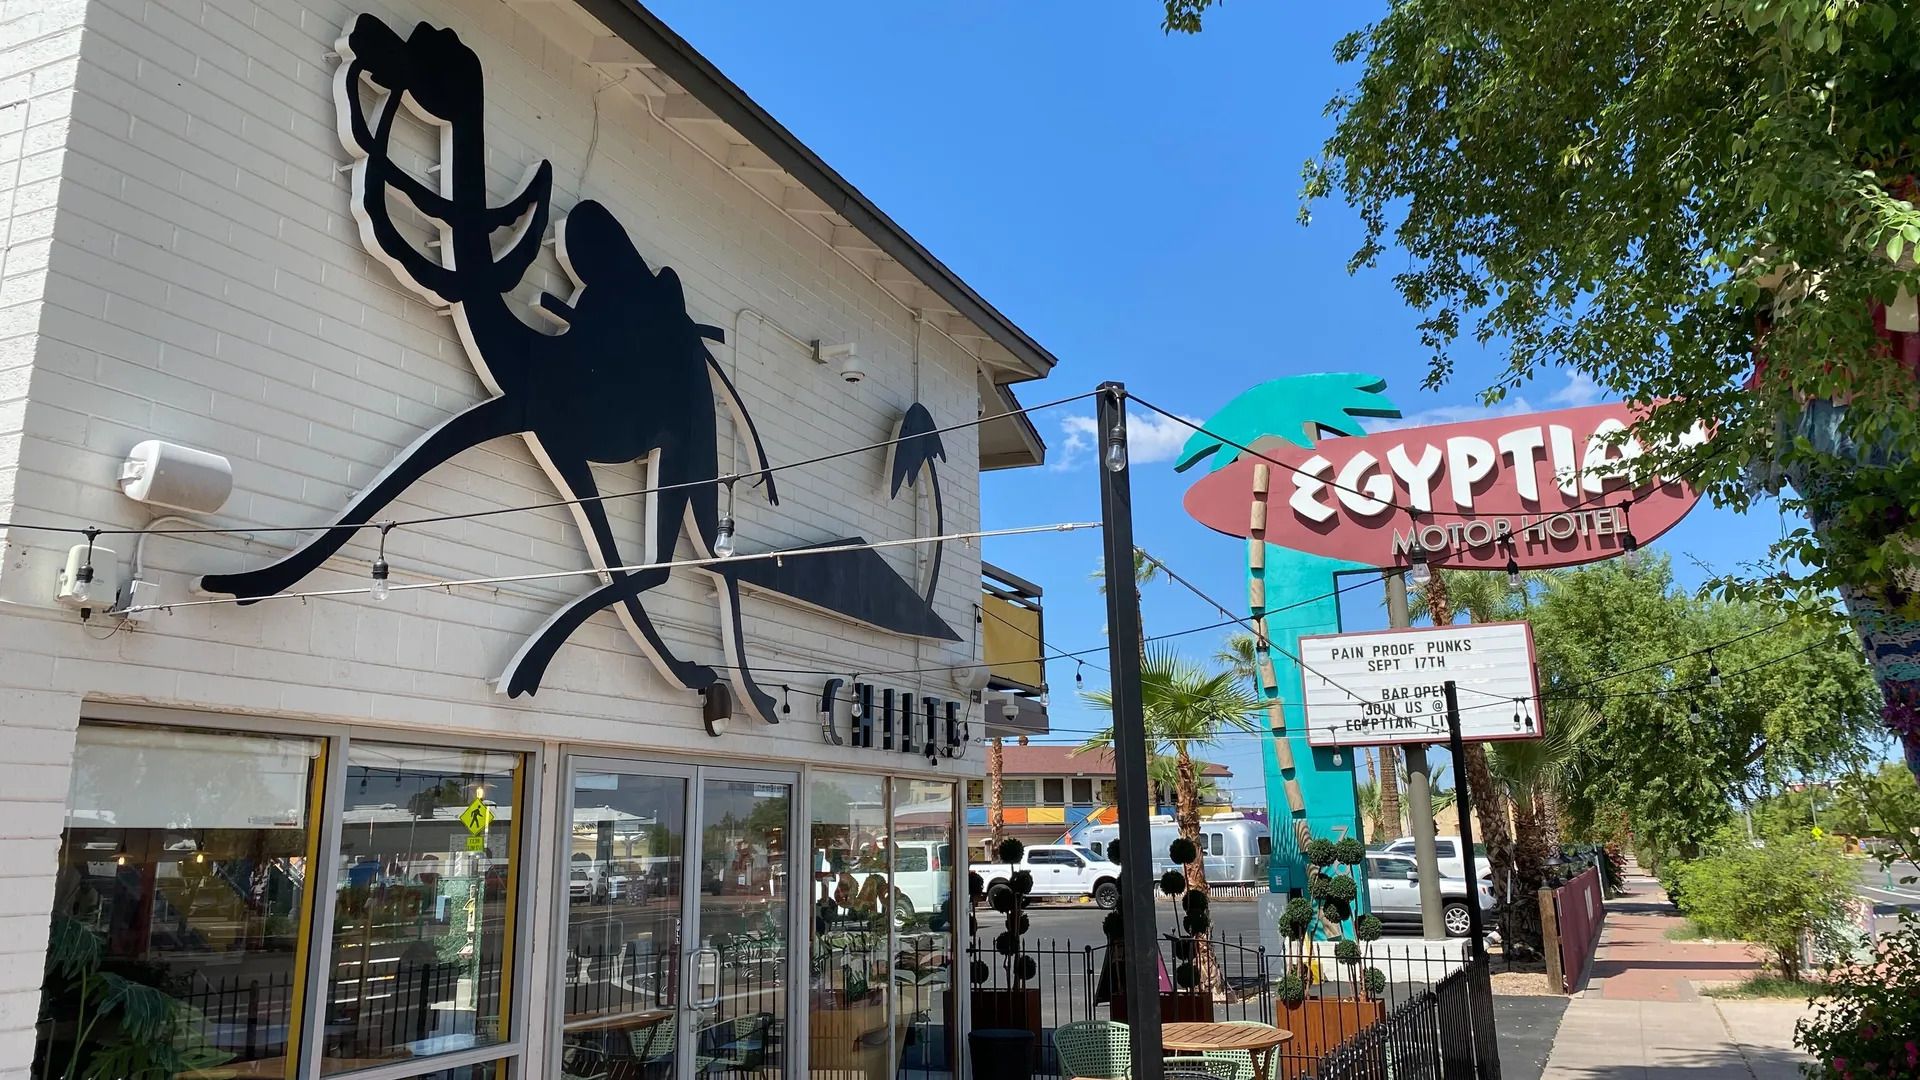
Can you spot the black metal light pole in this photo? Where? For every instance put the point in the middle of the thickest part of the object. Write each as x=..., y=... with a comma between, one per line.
x=1486, y=1051
x=1139, y=974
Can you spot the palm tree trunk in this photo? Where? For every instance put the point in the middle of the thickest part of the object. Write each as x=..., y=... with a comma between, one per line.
x=1263, y=659
x=1530, y=859
x=1489, y=805
x=1186, y=819
x=1388, y=821
x=996, y=797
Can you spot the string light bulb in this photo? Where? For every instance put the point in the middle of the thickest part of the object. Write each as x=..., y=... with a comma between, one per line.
x=1628, y=542
x=1079, y=673
x=786, y=700
x=723, y=537
x=1513, y=574
x=1419, y=572
x=1693, y=711
x=378, y=587
x=1116, y=452
x=1518, y=723
x=82, y=588
x=1713, y=673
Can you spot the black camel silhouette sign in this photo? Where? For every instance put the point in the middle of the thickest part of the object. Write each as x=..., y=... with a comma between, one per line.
x=628, y=376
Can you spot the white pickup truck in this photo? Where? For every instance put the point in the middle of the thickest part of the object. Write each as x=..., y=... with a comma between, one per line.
x=1059, y=870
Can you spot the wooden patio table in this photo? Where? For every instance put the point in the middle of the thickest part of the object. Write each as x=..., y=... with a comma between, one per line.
x=1258, y=1040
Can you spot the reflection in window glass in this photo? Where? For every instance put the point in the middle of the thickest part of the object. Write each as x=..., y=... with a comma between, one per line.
x=848, y=969
x=1082, y=791
x=183, y=875
x=421, y=930
x=923, y=962
x=625, y=866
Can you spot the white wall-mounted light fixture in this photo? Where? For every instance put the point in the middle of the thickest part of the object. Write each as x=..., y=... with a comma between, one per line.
x=845, y=359
x=90, y=578
x=176, y=477
x=972, y=677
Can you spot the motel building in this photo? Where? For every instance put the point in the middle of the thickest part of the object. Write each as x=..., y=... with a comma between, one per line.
x=402, y=321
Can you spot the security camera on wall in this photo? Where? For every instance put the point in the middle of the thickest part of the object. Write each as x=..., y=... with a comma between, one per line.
x=844, y=359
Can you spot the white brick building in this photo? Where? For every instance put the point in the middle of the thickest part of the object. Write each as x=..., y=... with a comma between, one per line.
x=255, y=811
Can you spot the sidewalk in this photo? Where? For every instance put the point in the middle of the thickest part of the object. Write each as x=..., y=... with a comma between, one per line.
x=1641, y=1016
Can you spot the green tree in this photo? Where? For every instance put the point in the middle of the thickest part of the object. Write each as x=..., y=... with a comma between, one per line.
x=1616, y=640
x=1773, y=896
x=1640, y=191
x=1536, y=775
x=1184, y=705
x=1884, y=805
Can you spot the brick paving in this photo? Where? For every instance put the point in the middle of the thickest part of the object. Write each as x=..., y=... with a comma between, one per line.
x=1641, y=1017
x=1638, y=963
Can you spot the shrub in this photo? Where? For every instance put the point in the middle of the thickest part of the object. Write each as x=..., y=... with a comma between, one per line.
x=1297, y=917
x=1010, y=850
x=1350, y=851
x=1773, y=896
x=1197, y=924
x=1868, y=1024
x=1347, y=951
x=1182, y=851
x=1291, y=988
x=1321, y=852
x=1368, y=928
x=1342, y=888
x=1376, y=981
x=1173, y=883
x=1186, y=976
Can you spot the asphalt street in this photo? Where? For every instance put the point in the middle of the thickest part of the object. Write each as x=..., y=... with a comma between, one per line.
x=1885, y=889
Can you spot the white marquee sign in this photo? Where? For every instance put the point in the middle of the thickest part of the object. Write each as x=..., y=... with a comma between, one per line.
x=1385, y=686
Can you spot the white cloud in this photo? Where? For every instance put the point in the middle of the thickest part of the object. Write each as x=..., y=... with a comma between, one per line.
x=1150, y=439
x=1579, y=389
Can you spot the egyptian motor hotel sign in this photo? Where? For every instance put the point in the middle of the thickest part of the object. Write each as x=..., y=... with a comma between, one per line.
x=1545, y=489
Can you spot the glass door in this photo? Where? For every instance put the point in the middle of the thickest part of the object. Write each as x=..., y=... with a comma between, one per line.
x=676, y=928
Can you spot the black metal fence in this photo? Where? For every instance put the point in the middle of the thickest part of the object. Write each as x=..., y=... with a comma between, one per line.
x=1389, y=1011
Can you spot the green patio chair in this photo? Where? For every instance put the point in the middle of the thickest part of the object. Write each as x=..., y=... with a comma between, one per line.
x=1213, y=1065
x=583, y=1063
x=1093, y=1050
x=653, y=1044
x=1218, y=1064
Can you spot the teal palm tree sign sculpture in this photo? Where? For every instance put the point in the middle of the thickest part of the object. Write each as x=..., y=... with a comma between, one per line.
x=1316, y=796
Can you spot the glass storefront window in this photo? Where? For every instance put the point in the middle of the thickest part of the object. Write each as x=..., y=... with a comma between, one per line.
x=423, y=905
x=848, y=970
x=625, y=874
x=181, y=903
x=923, y=851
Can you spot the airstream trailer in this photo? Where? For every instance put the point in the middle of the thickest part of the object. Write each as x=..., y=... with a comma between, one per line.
x=1234, y=847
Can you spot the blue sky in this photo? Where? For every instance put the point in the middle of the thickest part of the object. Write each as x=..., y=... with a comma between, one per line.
x=1130, y=199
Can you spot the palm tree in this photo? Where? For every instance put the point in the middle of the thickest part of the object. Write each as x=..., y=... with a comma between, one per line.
x=1484, y=597
x=1537, y=774
x=996, y=795
x=1183, y=705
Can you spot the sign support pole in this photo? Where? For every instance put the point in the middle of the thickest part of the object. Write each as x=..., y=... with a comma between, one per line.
x=1140, y=981
x=1426, y=860
x=1480, y=1001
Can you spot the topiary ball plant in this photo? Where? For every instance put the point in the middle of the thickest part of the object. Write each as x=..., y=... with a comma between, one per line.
x=1197, y=924
x=1173, y=883
x=1010, y=850
x=1376, y=981
x=1320, y=852
x=1342, y=888
x=1298, y=917
x=1194, y=902
x=1291, y=988
x=1350, y=851
x=1369, y=928
x=979, y=971
x=1186, y=976
x=1347, y=951
x=1183, y=851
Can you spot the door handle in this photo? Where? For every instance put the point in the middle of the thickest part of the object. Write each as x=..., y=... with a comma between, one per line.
x=705, y=968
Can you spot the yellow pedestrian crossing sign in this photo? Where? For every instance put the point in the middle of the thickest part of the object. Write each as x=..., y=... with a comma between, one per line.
x=477, y=816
